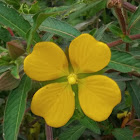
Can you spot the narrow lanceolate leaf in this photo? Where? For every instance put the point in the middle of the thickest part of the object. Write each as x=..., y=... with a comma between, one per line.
x=38, y=19
x=11, y=18
x=72, y=133
x=99, y=33
x=90, y=124
x=134, y=91
x=124, y=62
x=123, y=134
x=15, y=109
x=95, y=5
x=60, y=28
x=135, y=18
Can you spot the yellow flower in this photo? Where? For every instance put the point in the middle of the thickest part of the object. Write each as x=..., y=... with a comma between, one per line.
x=55, y=102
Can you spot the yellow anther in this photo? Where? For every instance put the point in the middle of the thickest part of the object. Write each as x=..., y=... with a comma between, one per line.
x=72, y=79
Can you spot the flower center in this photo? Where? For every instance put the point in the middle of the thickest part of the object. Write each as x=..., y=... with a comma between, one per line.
x=72, y=79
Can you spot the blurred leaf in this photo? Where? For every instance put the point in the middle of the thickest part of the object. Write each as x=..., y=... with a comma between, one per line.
x=5, y=67
x=15, y=71
x=15, y=109
x=134, y=90
x=136, y=132
x=99, y=33
x=127, y=39
x=86, y=23
x=34, y=8
x=11, y=18
x=34, y=132
x=72, y=133
x=60, y=9
x=117, y=77
x=14, y=3
x=47, y=36
x=96, y=6
x=60, y=28
x=134, y=123
x=90, y=124
x=115, y=30
x=3, y=50
x=120, y=80
x=122, y=85
x=38, y=19
x=15, y=49
x=123, y=62
x=118, y=32
x=135, y=51
x=123, y=134
x=4, y=35
x=8, y=82
x=135, y=17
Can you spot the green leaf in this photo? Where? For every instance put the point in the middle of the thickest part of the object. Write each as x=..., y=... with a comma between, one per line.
x=47, y=36
x=115, y=76
x=60, y=28
x=99, y=33
x=90, y=124
x=8, y=82
x=134, y=91
x=123, y=134
x=15, y=49
x=5, y=67
x=38, y=19
x=11, y=18
x=135, y=17
x=4, y=35
x=124, y=62
x=15, y=72
x=72, y=133
x=126, y=39
x=15, y=109
x=3, y=50
x=120, y=80
x=34, y=8
x=95, y=5
x=14, y=3
x=115, y=30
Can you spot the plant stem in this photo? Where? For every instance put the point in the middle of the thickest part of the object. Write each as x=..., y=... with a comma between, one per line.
x=49, y=132
x=121, y=20
x=120, y=41
x=128, y=6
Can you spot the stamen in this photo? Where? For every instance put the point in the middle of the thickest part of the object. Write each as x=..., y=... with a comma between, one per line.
x=72, y=79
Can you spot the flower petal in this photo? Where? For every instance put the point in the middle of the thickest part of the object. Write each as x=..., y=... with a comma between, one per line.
x=98, y=95
x=55, y=103
x=88, y=55
x=46, y=62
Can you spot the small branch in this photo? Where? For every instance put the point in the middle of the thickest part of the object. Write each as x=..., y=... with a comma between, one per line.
x=128, y=6
x=49, y=132
x=121, y=20
x=134, y=74
x=120, y=41
x=10, y=31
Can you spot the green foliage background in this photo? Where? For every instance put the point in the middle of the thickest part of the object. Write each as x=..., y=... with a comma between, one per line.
x=24, y=23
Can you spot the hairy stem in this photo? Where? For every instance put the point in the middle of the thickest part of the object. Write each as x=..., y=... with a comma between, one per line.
x=49, y=132
x=121, y=19
x=120, y=41
x=128, y=6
